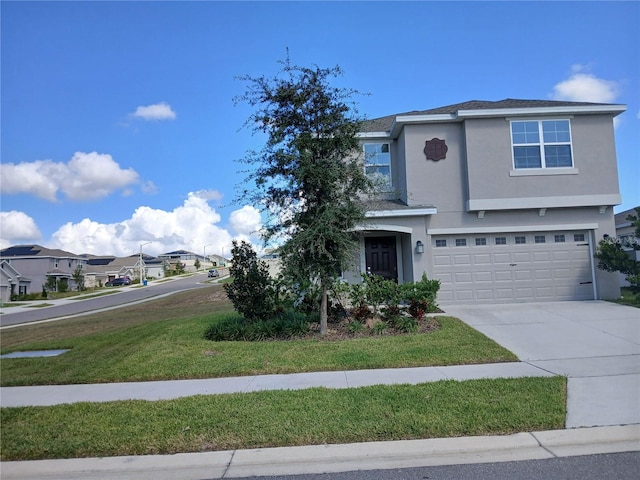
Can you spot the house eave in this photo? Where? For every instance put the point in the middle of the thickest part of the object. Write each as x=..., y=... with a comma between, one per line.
x=560, y=110
x=416, y=212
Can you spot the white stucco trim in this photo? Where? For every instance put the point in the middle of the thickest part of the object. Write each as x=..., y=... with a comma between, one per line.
x=544, y=202
x=416, y=212
x=384, y=227
x=509, y=112
x=525, y=172
x=511, y=229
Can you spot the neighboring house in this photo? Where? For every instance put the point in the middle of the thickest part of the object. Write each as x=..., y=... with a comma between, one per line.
x=42, y=266
x=626, y=233
x=188, y=259
x=625, y=230
x=102, y=269
x=271, y=258
x=11, y=282
x=501, y=201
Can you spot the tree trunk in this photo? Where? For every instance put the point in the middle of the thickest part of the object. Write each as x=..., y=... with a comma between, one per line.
x=323, y=309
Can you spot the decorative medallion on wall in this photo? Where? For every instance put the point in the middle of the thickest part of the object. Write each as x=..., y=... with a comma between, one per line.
x=435, y=149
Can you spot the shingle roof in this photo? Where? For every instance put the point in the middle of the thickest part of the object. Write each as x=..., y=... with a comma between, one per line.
x=34, y=251
x=383, y=124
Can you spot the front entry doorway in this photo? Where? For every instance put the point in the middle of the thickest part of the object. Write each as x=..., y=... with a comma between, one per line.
x=380, y=253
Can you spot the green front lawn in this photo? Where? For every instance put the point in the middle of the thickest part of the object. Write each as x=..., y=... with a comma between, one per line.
x=163, y=340
x=284, y=418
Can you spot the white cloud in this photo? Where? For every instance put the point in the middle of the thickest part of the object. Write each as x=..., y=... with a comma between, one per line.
x=191, y=226
x=583, y=86
x=208, y=194
x=158, y=111
x=18, y=227
x=87, y=176
x=246, y=221
x=149, y=187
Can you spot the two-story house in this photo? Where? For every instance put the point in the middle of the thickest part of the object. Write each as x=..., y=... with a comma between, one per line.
x=501, y=201
x=41, y=267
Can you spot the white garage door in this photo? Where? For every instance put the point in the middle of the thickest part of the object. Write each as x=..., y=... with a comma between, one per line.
x=513, y=267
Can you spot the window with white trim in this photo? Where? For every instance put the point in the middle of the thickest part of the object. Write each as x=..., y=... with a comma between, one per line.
x=377, y=163
x=441, y=243
x=541, y=144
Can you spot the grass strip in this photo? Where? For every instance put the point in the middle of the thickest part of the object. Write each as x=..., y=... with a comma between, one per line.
x=175, y=349
x=284, y=418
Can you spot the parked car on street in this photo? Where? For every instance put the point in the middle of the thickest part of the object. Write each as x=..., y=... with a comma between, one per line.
x=119, y=282
x=213, y=273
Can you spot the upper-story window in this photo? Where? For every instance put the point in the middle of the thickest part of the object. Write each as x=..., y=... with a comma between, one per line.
x=541, y=144
x=377, y=163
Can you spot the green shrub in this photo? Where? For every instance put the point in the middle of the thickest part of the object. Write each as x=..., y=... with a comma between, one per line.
x=354, y=327
x=421, y=296
x=379, y=328
x=228, y=327
x=406, y=324
x=233, y=327
x=251, y=292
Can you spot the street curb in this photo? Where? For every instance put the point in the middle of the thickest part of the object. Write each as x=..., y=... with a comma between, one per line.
x=335, y=458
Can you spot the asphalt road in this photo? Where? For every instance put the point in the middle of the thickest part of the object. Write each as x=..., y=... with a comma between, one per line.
x=121, y=298
x=618, y=466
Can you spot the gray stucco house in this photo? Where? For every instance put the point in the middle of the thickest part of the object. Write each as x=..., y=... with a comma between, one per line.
x=501, y=201
x=35, y=266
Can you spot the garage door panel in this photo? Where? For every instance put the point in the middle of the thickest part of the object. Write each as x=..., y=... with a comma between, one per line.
x=524, y=293
x=501, y=258
x=482, y=259
x=504, y=275
x=543, y=274
x=464, y=295
x=462, y=259
x=483, y=277
x=442, y=260
x=541, y=256
x=464, y=277
x=510, y=272
x=523, y=275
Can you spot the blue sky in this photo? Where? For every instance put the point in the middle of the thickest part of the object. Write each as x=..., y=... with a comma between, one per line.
x=119, y=126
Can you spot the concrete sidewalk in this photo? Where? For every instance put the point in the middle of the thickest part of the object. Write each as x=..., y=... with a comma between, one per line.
x=165, y=390
x=334, y=458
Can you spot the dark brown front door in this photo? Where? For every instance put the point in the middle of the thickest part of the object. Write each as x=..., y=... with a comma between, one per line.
x=381, y=257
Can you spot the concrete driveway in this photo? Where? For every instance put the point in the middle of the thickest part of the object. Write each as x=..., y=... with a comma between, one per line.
x=595, y=344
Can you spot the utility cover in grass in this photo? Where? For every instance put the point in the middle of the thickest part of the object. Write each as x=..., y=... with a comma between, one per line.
x=34, y=353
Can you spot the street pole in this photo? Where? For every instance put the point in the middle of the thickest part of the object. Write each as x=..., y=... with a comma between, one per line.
x=141, y=269
x=204, y=256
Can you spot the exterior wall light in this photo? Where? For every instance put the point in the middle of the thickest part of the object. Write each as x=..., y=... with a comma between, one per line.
x=419, y=247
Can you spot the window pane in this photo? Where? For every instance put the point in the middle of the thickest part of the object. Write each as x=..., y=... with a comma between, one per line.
x=578, y=237
x=556, y=131
x=377, y=154
x=559, y=238
x=540, y=239
x=525, y=132
x=461, y=242
x=501, y=240
x=481, y=241
x=527, y=157
x=521, y=240
x=441, y=243
x=557, y=156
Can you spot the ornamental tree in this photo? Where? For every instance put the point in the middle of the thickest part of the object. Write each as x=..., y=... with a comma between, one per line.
x=308, y=178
